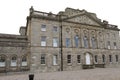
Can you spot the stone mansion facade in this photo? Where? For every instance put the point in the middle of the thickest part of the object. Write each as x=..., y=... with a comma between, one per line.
x=70, y=40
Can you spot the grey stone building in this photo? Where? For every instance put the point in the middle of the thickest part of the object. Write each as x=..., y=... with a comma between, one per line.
x=70, y=40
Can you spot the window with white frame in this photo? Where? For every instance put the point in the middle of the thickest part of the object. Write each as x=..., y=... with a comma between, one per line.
x=55, y=42
x=2, y=61
x=43, y=40
x=43, y=27
x=78, y=58
x=68, y=58
x=24, y=61
x=67, y=42
x=55, y=58
x=42, y=58
x=14, y=61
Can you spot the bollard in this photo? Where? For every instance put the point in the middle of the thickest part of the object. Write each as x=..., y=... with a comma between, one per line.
x=31, y=76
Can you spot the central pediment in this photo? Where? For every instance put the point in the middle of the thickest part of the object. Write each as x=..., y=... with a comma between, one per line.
x=84, y=19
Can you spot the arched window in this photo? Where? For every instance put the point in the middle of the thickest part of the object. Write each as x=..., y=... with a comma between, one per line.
x=24, y=61
x=93, y=41
x=85, y=41
x=14, y=61
x=76, y=39
x=103, y=58
x=2, y=61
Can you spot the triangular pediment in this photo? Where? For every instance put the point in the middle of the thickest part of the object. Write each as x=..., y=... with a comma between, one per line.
x=85, y=19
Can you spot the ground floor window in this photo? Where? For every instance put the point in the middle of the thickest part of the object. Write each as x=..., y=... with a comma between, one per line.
x=43, y=59
x=78, y=58
x=116, y=57
x=24, y=61
x=2, y=61
x=68, y=58
x=55, y=57
x=96, y=58
x=110, y=58
x=14, y=61
x=103, y=58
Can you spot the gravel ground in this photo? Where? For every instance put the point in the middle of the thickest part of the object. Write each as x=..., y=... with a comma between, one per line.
x=89, y=74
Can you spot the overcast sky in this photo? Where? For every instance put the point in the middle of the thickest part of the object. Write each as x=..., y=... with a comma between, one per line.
x=13, y=13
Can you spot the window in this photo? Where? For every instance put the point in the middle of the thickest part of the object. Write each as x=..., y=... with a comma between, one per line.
x=68, y=58
x=67, y=42
x=110, y=58
x=24, y=61
x=2, y=61
x=43, y=59
x=85, y=42
x=115, y=46
x=55, y=42
x=14, y=61
x=76, y=39
x=116, y=57
x=78, y=58
x=55, y=59
x=93, y=42
x=108, y=44
x=96, y=58
x=43, y=40
x=103, y=58
x=55, y=29
x=43, y=27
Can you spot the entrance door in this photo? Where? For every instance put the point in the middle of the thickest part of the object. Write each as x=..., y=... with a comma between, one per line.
x=87, y=58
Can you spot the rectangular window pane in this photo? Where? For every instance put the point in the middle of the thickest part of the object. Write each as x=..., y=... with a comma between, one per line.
x=13, y=63
x=43, y=59
x=68, y=58
x=43, y=40
x=43, y=27
x=110, y=58
x=108, y=44
x=55, y=29
x=78, y=58
x=24, y=63
x=115, y=46
x=55, y=42
x=55, y=59
x=67, y=42
x=2, y=64
x=116, y=56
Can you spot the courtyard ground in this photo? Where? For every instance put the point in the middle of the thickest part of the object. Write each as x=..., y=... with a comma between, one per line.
x=89, y=74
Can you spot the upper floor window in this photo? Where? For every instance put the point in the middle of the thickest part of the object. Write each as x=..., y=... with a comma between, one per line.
x=93, y=41
x=67, y=42
x=43, y=27
x=115, y=45
x=76, y=39
x=55, y=42
x=55, y=29
x=2, y=61
x=24, y=61
x=116, y=57
x=42, y=58
x=108, y=44
x=14, y=61
x=68, y=58
x=43, y=40
x=55, y=58
x=78, y=58
x=85, y=41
